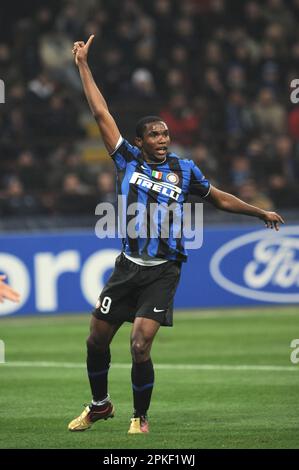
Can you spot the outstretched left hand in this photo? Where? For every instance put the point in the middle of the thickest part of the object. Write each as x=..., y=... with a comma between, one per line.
x=6, y=292
x=272, y=219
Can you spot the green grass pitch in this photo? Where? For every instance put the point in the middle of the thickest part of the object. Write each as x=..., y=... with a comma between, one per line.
x=224, y=379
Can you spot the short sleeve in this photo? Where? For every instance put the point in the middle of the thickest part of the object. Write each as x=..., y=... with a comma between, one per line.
x=199, y=185
x=124, y=153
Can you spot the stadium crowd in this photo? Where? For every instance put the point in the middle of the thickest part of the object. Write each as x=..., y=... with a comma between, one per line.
x=217, y=71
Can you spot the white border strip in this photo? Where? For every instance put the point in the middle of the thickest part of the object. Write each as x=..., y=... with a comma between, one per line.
x=219, y=367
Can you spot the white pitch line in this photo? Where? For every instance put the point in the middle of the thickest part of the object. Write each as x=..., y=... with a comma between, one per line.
x=219, y=367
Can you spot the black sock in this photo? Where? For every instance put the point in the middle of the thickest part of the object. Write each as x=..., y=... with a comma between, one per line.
x=98, y=364
x=142, y=382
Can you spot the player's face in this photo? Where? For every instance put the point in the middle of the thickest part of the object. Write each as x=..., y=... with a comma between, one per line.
x=155, y=140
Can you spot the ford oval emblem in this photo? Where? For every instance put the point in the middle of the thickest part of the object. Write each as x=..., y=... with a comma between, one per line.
x=268, y=265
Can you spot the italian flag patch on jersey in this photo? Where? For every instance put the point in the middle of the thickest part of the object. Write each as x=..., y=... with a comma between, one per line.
x=157, y=174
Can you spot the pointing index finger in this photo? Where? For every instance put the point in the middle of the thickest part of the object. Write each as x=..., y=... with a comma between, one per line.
x=90, y=39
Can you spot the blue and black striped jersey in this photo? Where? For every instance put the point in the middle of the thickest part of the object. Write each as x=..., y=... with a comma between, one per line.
x=154, y=194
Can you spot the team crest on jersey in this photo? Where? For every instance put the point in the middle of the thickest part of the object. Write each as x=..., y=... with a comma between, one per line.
x=172, y=178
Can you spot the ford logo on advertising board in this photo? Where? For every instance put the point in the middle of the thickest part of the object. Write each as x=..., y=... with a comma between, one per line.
x=262, y=265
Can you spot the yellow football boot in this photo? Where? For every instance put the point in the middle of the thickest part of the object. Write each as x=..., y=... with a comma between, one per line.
x=90, y=415
x=139, y=425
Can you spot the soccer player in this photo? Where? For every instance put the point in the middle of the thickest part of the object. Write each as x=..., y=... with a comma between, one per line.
x=142, y=286
x=6, y=292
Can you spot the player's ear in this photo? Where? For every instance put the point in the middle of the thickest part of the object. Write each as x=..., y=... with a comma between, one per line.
x=138, y=142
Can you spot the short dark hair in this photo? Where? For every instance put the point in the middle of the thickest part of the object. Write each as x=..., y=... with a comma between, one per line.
x=141, y=124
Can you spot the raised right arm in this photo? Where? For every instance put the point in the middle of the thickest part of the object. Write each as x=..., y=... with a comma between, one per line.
x=97, y=103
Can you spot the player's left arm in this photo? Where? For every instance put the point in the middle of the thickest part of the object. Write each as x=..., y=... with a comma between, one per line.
x=229, y=203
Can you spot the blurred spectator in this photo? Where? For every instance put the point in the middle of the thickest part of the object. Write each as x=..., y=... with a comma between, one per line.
x=75, y=197
x=214, y=56
x=164, y=16
x=126, y=35
x=17, y=202
x=215, y=16
x=139, y=98
x=144, y=55
x=41, y=87
x=270, y=77
x=8, y=71
x=30, y=172
x=182, y=121
x=106, y=187
x=147, y=30
x=239, y=116
x=143, y=84
x=73, y=185
x=236, y=79
x=270, y=115
x=55, y=53
x=249, y=193
x=282, y=193
x=60, y=121
x=114, y=70
x=40, y=90
x=283, y=159
x=260, y=161
x=277, y=11
x=206, y=161
x=254, y=19
x=240, y=171
x=293, y=122
x=25, y=52
x=213, y=85
x=175, y=82
x=186, y=34
x=69, y=22
x=74, y=164
x=213, y=120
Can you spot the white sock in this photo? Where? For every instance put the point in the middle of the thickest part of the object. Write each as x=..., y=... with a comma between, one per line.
x=102, y=402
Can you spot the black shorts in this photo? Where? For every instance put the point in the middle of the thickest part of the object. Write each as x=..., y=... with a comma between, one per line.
x=139, y=291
